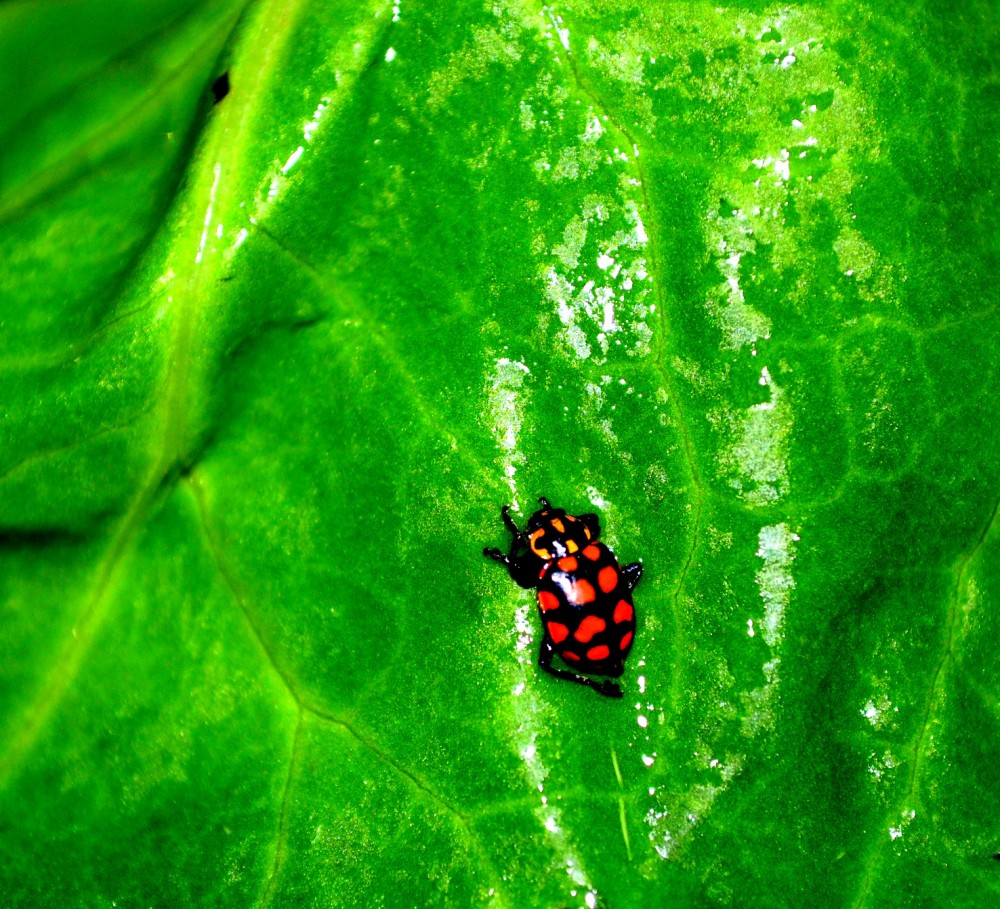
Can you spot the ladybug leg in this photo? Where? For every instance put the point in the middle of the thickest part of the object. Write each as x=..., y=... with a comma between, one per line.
x=509, y=522
x=631, y=574
x=545, y=654
x=592, y=523
x=523, y=574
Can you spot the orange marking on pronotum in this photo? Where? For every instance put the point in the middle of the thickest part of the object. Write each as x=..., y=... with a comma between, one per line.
x=598, y=653
x=590, y=626
x=623, y=611
x=580, y=592
x=533, y=542
x=559, y=526
x=547, y=600
x=557, y=631
x=626, y=640
x=592, y=553
x=568, y=564
x=607, y=578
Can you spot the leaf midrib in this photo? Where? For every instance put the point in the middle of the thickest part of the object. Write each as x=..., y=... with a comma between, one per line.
x=83, y=158
x=165, y=470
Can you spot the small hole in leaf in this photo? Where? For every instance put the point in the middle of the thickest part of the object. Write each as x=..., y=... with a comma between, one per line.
x=220, y=87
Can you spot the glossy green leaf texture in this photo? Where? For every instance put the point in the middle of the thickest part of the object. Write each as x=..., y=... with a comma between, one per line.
x=273, y=358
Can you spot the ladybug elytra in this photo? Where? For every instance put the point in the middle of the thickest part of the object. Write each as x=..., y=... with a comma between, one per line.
x=584, y=596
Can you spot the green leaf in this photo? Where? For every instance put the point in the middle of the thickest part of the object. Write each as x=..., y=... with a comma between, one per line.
x=270, y=367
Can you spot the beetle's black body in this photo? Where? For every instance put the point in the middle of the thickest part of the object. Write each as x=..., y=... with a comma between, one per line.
x=584, y=596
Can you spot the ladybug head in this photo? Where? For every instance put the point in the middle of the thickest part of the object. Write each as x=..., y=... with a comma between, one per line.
x=552, y=533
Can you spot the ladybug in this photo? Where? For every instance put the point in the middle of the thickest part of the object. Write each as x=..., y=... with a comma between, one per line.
x=584, y=596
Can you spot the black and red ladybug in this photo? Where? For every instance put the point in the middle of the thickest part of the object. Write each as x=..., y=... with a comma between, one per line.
x=584, y=596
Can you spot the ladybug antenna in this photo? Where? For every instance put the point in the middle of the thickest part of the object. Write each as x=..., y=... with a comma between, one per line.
x=544, y=502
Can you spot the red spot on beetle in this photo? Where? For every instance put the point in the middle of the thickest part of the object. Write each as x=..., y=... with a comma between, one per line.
x=598, y=653
x=569, y=655
x=547, y=600
x=623, y=611
x=607, y=578
x=626, y=640
x=590, y=626
x=557, y=631
x=592, y=553
x=568, y=564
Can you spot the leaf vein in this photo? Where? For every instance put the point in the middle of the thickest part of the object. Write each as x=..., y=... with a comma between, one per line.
x=463, y=820
x=912, y=792
x=673, y=399
x=281, y=844
x=239, y=594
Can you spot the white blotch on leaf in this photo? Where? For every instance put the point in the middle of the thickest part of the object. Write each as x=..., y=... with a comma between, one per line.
x=774, y=579
x=504, y=414
x=758, y=453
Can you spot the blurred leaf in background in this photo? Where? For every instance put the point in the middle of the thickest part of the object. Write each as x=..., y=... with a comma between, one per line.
x=272, y=359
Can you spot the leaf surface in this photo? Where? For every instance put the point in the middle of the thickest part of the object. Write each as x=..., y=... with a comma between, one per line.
x=725, y=275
